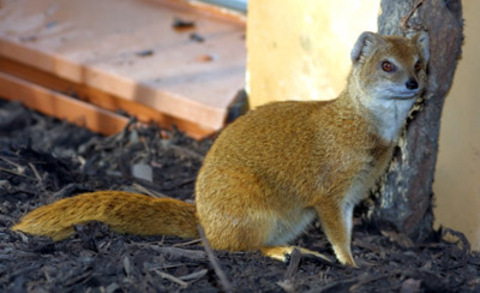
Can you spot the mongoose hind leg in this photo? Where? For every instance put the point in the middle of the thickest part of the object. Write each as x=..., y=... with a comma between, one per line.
x=232, y=212
x=245, y=231
x=282, y=253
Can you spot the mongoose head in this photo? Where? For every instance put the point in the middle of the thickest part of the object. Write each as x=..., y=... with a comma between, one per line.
x=391, y=67
x=388, y=74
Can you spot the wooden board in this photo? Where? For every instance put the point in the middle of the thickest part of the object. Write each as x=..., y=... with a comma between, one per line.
x=54, y=104
x=102, y=100
x=129, y=49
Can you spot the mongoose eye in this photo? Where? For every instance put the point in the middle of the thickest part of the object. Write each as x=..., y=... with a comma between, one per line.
x=418, y=66
x=387, y=66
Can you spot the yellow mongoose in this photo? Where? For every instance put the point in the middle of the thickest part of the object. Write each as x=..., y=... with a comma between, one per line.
x=271, y=172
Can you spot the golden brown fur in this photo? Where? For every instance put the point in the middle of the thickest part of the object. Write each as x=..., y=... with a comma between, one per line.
x=271, y=172
x=124, y=212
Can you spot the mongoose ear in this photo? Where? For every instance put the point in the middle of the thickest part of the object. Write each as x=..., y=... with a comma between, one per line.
x=364, y=46
x=423, y=43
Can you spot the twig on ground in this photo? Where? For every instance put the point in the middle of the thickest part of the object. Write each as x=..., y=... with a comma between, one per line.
x=183, y=151
x=191, y=242
x=288, y=283
x=227, y=286
x=295, y=258
x=19, y=167
x=143, y=189
x=194, y=276
x=179, y=252
x=37, y=175
x=363, y=281
x=13, y=172
x=172, y=278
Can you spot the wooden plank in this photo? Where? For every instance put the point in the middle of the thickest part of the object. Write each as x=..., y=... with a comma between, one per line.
x=232, y=11
x=129, y=49
x=101, y=99
x=237, y=5
x=61, y=106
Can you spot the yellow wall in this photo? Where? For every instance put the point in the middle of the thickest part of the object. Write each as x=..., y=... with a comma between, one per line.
x=301, y=52
x=457, y=178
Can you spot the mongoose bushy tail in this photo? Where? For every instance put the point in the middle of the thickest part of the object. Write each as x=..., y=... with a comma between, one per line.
x=124, y=213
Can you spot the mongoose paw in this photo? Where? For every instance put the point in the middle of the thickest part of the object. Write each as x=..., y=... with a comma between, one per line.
x=282, y=253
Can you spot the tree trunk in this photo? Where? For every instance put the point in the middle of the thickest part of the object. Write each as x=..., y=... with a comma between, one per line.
x=404, y=199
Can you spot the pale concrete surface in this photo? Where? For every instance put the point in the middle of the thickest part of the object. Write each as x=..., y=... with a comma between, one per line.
x=457, y=178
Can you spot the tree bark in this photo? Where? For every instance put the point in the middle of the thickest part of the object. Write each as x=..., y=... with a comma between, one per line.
x=405, y=196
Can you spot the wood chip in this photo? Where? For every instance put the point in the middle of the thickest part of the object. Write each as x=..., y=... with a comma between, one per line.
x=172, y=278
x=194, y=276
x=410, y=286
x=399, y=238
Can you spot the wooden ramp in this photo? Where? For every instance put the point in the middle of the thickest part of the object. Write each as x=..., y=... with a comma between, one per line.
x=162, y=61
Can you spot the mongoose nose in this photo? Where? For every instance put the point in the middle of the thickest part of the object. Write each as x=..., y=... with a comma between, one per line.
x=412, y=84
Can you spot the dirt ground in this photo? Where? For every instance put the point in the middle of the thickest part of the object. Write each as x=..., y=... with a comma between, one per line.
x=43, y=160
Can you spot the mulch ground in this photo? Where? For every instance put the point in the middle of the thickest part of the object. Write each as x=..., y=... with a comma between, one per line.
x=43, y=160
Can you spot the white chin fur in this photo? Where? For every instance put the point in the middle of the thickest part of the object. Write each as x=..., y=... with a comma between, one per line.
x=390, y=111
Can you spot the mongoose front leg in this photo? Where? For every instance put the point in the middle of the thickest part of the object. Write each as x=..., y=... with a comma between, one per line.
x=336, y=221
